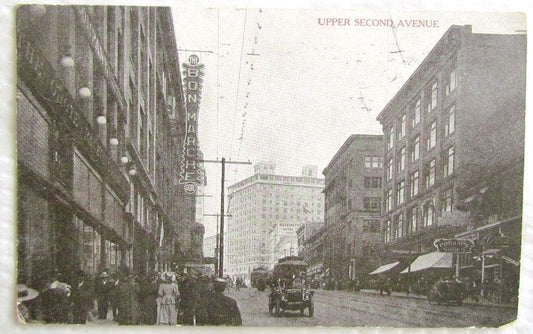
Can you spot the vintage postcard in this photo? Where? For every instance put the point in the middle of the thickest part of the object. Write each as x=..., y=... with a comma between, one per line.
x=266, y=167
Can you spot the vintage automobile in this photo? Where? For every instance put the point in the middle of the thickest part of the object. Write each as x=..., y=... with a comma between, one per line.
x=447, y=292
x=288, y=289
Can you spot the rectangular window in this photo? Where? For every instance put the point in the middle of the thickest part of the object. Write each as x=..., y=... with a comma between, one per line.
x=399, y=226
x=428, y=214
x=448, y=162
x=447, y=200
x=401, y=160
x=451, y=82
x=389, y=169
x=388, y=199
x=416, y=113
x=432, y=96
x=432, y=137
x=372, y=203
x=449, y=127
x=413, y=184
x=430, y=173
x=415, y=153
x=400, y=192
x=372, y=182
x=373, y=162
x=390, y=140
x=402, y=121
x=387, y=231
x=413, y=218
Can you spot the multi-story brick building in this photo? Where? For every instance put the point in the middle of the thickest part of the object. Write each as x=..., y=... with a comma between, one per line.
x=353, y=207
x=258, y=202
x=457, y=122
x=100, y=123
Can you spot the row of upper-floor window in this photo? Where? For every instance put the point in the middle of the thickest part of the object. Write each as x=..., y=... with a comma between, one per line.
x=80, y=67
x=430, y=133
x=417, y=217
x=412, y=184
x=426, y=102
x=412, y=151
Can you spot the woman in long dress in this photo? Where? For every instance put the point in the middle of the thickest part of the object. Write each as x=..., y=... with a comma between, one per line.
x=168, y=300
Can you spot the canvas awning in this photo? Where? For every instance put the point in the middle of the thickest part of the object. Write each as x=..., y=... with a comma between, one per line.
x=384, y=268
x=430, y=260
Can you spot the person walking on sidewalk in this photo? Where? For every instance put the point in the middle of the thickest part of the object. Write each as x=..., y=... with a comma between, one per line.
x=81, y=298
x=103, y=289
x=168, y=300
x=126, y=293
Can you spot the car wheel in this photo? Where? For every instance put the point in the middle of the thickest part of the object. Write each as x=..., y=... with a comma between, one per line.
x=277, y=308
x=311, y=309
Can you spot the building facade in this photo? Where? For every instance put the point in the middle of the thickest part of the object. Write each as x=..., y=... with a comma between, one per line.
x=455, y=126
x=283, y=241
x=256, y=204
x=311, y=239
x=353, y=207
x=100, y=122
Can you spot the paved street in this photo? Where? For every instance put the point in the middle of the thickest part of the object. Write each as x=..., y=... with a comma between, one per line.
x=340, y=308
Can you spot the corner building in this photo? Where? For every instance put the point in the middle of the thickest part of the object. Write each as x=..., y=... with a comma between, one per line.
x=260, y=201
x=457, y=122
x=100, y=124
x=353, y=206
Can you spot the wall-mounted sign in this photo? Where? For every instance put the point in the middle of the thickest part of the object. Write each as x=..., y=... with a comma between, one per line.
x=454, y=245
x=191, y=174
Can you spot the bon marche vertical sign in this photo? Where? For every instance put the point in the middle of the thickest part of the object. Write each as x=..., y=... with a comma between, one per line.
x=191, y=174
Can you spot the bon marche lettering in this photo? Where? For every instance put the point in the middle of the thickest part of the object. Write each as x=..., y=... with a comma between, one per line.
x=190, y=174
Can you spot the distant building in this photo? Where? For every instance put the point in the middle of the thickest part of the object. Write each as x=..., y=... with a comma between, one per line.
x=454, y=141
x=313, y=254
x=305, y=232
x=283, y=240
x=353, y=207
x=256, y=204
x=210, y=243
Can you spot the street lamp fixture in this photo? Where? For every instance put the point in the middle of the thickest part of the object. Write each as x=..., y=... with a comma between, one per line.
x=101, y=119
x=84, y=92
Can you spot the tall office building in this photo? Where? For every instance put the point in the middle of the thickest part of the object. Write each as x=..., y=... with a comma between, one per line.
x=260, y=201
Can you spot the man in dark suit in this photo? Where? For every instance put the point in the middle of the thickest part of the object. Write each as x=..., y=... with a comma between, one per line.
x=222, y=310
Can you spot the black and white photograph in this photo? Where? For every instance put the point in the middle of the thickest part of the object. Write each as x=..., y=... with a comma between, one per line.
x=262, y=167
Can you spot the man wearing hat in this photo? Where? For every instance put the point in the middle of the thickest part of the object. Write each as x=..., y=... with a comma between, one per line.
x=222, y=310
x=103, y=288
x=24, y=294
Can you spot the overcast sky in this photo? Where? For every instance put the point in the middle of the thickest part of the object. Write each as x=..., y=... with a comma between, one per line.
x=291, y=90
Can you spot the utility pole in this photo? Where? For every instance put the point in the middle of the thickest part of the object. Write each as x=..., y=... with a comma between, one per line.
x=221, y=238
x=217, y=236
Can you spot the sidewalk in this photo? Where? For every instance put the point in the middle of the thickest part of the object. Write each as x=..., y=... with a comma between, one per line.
x=482, y=302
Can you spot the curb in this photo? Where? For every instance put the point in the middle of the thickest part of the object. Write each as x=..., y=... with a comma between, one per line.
x=485, y=304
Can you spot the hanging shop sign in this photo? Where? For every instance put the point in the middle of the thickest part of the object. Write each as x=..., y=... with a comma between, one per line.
x=191, y=174
x=454, y=245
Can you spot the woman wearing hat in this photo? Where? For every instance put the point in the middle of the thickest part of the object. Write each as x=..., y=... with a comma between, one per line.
x=24, y=294
x=169, y=297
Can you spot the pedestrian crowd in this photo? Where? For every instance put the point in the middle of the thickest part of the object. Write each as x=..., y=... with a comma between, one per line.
x=156, y=298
